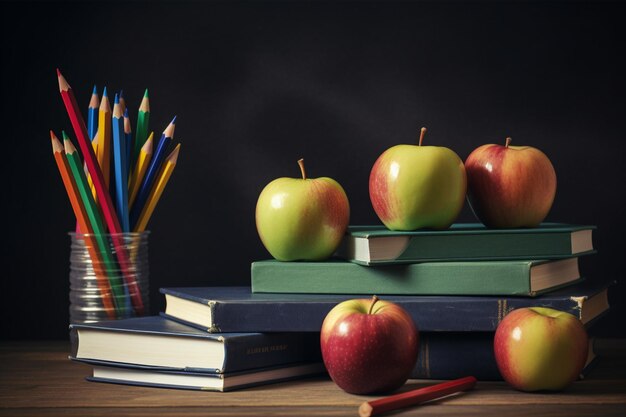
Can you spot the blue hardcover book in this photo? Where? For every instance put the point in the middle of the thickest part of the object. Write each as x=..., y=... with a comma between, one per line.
x=451, y=355
x=204, y=381
x=158, y=342
x=237, y=309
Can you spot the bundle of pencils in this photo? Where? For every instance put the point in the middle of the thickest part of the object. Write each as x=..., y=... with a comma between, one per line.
x=113, y=194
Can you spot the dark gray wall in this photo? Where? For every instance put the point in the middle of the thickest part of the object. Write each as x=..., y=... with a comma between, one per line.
x=258, y=85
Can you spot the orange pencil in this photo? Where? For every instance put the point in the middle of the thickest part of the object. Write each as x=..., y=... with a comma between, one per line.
x=81, y=217
x=104, y=198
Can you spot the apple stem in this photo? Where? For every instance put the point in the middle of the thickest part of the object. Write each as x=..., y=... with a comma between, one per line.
x=374, y=299
x=508, y=142
x=422, y=133
x=301, y=163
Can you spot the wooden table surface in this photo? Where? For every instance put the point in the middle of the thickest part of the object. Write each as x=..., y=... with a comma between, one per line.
x=37, y=379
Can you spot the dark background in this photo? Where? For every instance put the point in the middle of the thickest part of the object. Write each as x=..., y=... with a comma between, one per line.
x=258, y=85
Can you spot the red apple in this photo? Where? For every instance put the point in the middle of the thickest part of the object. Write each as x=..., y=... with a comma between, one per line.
x=510, y=186
x=539, y=348
x=369, y=346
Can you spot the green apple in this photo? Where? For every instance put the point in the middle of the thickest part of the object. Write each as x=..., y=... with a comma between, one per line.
x=415, y=186
x=540, y=348
x=302, y=218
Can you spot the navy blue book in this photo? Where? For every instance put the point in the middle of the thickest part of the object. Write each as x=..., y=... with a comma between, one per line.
x=451, y=355
x=157, y=342
x=237, y=309
x=204, y=381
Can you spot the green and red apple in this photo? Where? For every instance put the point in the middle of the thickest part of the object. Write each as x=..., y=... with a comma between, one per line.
x=302, y=218
x=415, y=186
x=369, y=346
x=540, y=349
x=510, y=186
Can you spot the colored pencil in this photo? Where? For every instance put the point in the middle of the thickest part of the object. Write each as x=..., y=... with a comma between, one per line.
x=94, y=145
x=151, y=173
x=96, y=224
x=164, y=176
x=104, y=140
x=84, y=225
x=145, y=154
x=120, y=165
x=92, y=114
x=406, y=399
x=128, y=133
x=106, y=204
x=122, y=101
x=141, y=129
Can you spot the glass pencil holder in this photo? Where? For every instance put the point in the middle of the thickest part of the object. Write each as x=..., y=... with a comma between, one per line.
x=109, y=276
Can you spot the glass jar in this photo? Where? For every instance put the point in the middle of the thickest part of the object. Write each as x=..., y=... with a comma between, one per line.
x=108, y=276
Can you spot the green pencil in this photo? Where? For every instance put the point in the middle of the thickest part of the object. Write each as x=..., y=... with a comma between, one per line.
x=93, y=213
x=141, y=132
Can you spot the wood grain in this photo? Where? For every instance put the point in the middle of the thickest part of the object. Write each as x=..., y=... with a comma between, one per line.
x=37, y=378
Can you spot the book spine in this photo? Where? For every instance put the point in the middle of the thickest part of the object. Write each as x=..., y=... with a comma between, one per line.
x=429, y=314
x=488, y=246
x=452, y=355
x=267, y=350
x=435, y=278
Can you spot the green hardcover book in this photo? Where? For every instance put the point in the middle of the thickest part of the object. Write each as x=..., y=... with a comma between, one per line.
x=377, y=245
x=524, y=278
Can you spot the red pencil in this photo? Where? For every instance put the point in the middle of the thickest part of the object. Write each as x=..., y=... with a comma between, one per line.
x=394, y=402
x=104, y=198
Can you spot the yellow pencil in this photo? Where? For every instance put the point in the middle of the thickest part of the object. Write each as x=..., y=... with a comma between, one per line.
x=155, y=194
x=104, y=138
x=145, y=154
x=94, y=145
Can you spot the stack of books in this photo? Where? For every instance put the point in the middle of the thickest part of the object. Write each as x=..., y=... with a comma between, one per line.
x=457, y=285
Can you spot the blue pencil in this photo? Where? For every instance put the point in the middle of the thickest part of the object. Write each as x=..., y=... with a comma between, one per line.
x=92, y=114
x=128, y=133
x=120, y=165
x=152, y=172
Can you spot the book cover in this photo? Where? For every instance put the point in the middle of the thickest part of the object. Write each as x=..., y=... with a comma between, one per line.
x=237, y=309
x=520, y=278
x=377, y=245
x=451, y=355
x=203, y=381
x=159, y=342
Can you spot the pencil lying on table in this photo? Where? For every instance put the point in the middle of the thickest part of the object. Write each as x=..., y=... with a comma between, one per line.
x=406, y=399
x=84, y=224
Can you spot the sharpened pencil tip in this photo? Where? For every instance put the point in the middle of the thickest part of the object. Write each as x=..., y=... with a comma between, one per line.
x=52, y=135
x=116, y=100
x=95, y=91
x=65, y=137
x=173, y=157
x=146, y=93
x=126, y=113
x=121, y=93
x=104, y=93
x=173, y=122
x=58, y=73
